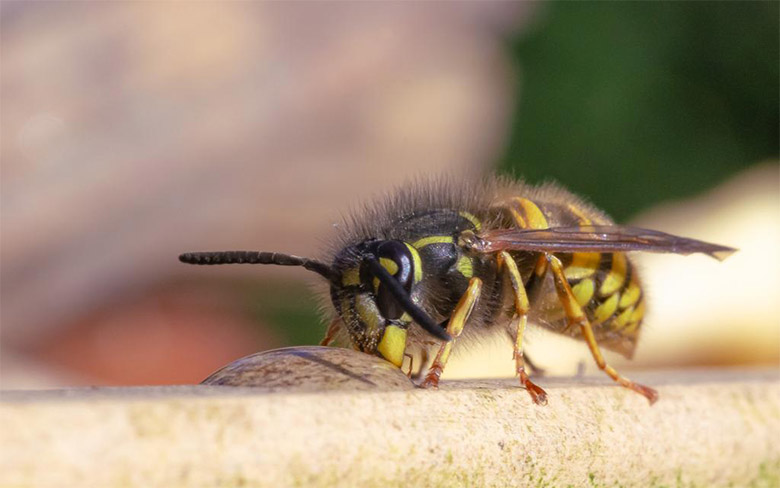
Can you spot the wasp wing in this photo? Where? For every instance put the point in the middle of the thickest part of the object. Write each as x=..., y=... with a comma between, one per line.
x=595, y=238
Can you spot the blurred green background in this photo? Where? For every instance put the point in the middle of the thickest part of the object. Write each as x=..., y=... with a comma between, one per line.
x=634, y=103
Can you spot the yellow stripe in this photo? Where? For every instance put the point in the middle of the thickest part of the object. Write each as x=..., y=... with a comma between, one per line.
x=533, y=215
x=606, y=309
x=630, y=294
x=583, y=291
x=471, y=218
x=393, y=345
x=519, y=220
x=425, y=241
x=639, y=312
x=635, y=319
x=622, y=319
x=465, y=266
x=350, y=277
x=616, y=277
x=418, y=271
x=583, y=265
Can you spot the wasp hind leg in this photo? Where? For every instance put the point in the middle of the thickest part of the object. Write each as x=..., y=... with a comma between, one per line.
x=575, y=315
x=507, y=263
x=454, y=328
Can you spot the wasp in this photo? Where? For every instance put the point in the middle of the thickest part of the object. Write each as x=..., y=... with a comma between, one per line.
x=444, y=260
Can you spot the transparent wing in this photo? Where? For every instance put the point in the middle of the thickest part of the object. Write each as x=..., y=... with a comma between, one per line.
x=594, y=238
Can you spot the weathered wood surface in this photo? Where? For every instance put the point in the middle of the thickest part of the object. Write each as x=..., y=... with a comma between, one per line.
x=710, y=428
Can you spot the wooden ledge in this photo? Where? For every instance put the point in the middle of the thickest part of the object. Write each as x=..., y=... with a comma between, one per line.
x=710, y=428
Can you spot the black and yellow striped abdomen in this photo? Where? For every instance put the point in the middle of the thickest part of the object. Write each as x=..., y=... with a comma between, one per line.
x=608, y=289
x=606, y=285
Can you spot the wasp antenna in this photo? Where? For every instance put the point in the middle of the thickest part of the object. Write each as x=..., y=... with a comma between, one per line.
x=405, y=301
x=259, y=257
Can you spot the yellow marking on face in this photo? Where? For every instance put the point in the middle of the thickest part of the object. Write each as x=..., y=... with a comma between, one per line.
x=533, y=214
x=391, y=268
x=465, y=266
x=616, y=277
x=583, y=291
x=393, y=344
x=350, y=277
x=416, y=262
x=622, y=319
x=473, y=219
x=367, y=312
x=606, y=309
x=390, y=265
x=635, y=319
x=583, y=265
x=630, y=294
x=584, y=220
x=425, y=241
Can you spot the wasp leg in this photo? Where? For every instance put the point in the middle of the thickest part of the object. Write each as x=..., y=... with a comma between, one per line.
x=333, y=329
x=454, y=328
x=519, y=321
x=416, y=375
x=411, y=364
x=575, y=315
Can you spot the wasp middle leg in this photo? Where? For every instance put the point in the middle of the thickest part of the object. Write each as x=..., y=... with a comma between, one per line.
x=507, y=263
x=454, y=328
x=575, y=315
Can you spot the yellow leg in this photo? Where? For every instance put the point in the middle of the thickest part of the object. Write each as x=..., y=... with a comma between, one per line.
x=575, y=316
x=454, y=328
x=507, y=263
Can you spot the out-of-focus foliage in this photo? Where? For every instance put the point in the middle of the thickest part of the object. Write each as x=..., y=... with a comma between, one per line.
x=631, y=103
x=288, y=309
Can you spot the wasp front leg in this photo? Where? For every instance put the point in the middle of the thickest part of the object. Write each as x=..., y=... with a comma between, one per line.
x=334, y=329
x=507, y=264
x=575, y=316
x=455, y=326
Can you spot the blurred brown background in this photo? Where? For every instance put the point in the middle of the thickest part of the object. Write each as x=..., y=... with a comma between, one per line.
x=134, y=131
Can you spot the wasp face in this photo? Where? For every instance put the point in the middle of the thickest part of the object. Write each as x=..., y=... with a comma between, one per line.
x=378, y=288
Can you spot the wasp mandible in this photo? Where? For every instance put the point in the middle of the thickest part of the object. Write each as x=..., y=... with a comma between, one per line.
x=444, y=260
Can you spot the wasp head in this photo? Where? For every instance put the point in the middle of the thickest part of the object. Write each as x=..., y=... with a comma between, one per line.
x=374, y=287
x=377, y=296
